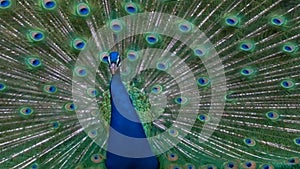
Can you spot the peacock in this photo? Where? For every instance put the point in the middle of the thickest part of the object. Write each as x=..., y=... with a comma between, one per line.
x=161, y=84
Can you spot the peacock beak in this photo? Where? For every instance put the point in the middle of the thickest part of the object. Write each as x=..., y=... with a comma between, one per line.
x=113, y=68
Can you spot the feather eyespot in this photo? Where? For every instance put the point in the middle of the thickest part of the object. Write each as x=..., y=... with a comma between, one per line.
x=248, y=165
x=152, y=38
x=132, y=55
x=172, y=157
x=162, y=66
x=33, y=62
x=189, y=166
x=156, y=89
x=34, y=166
x=55, y=125
x=35, y=36
x=203, y=117
x=249, y=142
x=103, y=56
x=78, y=44
x=97, y=158
x=272, y=115
x=80, y=166
x=4, y=4
x=230, y=96
x=266, y=166
x=208, y=167
x=287, y=84
x=290, y=48
x=173, y=132
x=247, y=46
x=26, y=111
x=200, y=51
x=92, y=133
x=70, y=106
x=293, y=161
x=181, y=100
x=50, y=89
x=185, y=27
x=2, y=87
x=48, y=4
x=175, y=167
x=230, y=165
x=80, y=71
x=232, y=21
x=92, y=92
x=82, y=9
x=247, y=71
x=116, y=25
x=203, y=81
x=131, y=8
x=278, y=20
x=297, y=141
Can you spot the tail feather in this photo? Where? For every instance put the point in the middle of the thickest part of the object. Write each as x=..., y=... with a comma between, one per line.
x=46, y=44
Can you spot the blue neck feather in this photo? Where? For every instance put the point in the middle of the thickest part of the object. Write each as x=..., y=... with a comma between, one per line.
x=126, y=122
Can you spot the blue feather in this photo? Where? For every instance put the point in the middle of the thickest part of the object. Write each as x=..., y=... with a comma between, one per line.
x=125, y=123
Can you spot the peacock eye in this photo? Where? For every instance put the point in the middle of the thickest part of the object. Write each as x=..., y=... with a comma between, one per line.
x=172, y=157
x=104, y=56
x=78, y=44
x=82, y=9
x=293, y=160
x=267, y=166
x=105, y=59
x=26, y=111
x=55, y=125
x=97, y=158
x=2, y=86
x=48, y=4
x=209, y=167
x=70, y=106
x=34, y=166
x=4, y=4
x=249, y=142
x=189, y=166
x=297, y=141
x=287, y=84
x=50, y=89
x=92, y=133
x=131, y=8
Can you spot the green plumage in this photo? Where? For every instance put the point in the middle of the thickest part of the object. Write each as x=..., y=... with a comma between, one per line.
x=256, y=42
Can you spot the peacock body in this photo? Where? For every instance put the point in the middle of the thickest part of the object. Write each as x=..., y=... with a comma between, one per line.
x=196, y=85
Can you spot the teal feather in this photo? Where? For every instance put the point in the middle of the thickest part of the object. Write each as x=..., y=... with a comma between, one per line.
x=48, y=49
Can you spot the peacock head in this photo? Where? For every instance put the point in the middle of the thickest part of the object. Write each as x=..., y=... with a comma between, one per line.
x=114, y=62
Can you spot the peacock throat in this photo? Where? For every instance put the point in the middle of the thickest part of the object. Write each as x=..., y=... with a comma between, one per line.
x=140, y=102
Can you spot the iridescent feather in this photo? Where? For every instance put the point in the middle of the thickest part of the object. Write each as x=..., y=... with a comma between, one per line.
x=48, y=49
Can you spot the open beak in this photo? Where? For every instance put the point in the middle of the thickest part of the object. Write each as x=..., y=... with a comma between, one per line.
x=113, y=68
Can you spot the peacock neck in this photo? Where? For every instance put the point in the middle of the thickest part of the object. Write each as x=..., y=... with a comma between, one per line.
x=124, y=118
x=125, y=124
x=116, y=77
